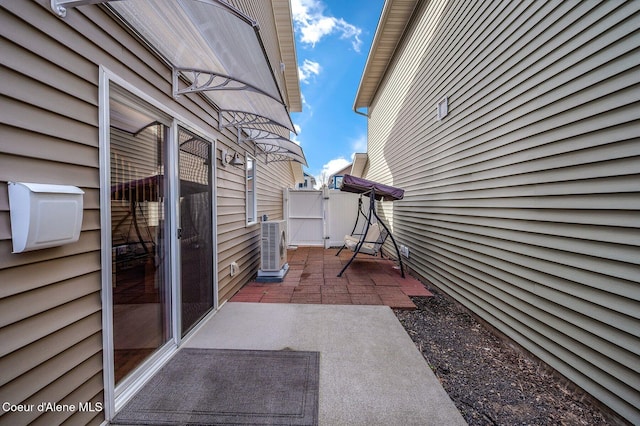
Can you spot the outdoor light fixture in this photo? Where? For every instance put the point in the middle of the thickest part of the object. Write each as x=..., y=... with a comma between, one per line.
x=232, y=159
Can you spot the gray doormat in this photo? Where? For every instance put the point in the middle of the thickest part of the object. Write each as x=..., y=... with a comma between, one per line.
x=229, y=387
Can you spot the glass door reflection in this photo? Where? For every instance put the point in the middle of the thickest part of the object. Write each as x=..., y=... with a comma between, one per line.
x=196, y=223
x=140, y=281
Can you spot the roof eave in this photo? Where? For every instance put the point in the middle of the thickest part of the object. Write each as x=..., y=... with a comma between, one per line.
x=286, y=40
x=394, y=19
x=359, y=164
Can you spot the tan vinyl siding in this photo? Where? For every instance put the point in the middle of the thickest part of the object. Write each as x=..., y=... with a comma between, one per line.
x=523, y=202
x=234, y=236
x=50, y=305
x=238, y=242
x=276, y=32
x=50, y=318
x=262, y=12
x=270, y=189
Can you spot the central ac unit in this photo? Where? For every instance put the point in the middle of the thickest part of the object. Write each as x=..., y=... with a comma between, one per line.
x=273, y=255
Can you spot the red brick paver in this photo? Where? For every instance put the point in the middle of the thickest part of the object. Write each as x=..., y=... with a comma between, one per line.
x=312, y=278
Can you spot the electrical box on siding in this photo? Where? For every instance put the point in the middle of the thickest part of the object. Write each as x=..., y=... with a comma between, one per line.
x=44, y=215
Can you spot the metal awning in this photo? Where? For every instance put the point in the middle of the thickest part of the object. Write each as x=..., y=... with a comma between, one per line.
x=213, y=49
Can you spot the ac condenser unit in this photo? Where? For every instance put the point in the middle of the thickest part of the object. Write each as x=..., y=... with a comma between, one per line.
x=273, y=255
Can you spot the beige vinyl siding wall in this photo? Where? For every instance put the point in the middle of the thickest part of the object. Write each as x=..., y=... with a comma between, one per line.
x=523, y=202
x=50, y=305
x=238, y=242
x=276, y=30
x=262, y=12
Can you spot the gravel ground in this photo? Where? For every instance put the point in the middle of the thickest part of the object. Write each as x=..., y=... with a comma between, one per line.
x=490, y=382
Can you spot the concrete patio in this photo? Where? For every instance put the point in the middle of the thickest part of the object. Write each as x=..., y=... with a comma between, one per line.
x=312, y=279
x=371, y=373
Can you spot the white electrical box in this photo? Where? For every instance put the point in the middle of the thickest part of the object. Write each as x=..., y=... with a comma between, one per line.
x=44, y=215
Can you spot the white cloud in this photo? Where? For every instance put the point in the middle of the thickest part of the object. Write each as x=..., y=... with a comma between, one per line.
x=312, y=23
x=294, y=136
x=335, y=165
x=330, y=168
x=308, y=69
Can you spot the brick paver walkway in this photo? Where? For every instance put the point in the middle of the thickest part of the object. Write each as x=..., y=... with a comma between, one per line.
x=312, y=278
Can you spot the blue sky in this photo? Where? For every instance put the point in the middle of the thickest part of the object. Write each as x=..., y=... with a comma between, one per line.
x=333, y=38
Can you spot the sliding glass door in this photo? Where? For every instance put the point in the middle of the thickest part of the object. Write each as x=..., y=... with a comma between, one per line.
x=159, y=238
x=196, y=228
x=141, y=291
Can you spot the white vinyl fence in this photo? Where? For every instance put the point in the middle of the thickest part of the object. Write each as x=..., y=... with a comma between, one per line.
x=319, y=217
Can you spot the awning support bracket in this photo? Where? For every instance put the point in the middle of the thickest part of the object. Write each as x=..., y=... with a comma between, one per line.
x=59, y=7
x=215, y=79
x=257, y=135
x=202, y=80
x=272, y=145
x=242, y=119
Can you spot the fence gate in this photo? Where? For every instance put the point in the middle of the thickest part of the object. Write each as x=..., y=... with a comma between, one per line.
x=342, y=210
x=305, y=217
x=319, y=217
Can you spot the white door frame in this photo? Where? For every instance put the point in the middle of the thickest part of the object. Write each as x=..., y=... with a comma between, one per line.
x=114, y=399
